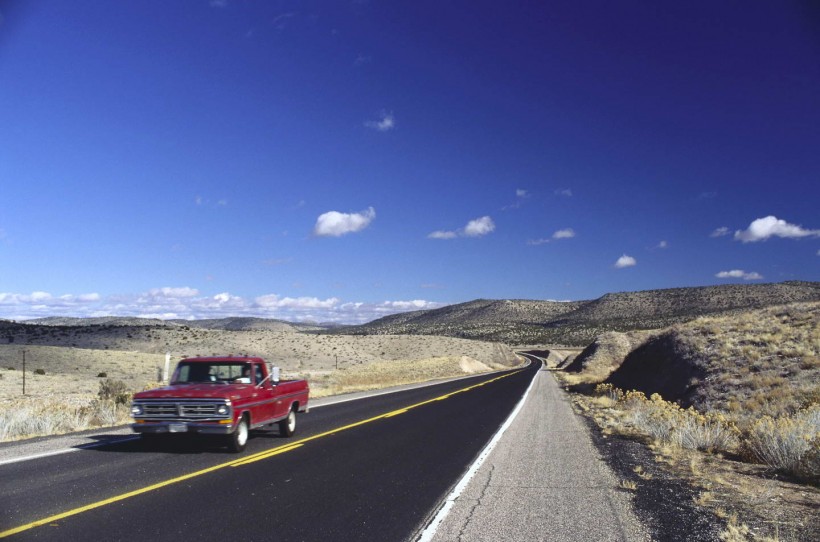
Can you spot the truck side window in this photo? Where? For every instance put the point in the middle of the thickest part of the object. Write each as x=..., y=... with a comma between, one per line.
x=258, y=374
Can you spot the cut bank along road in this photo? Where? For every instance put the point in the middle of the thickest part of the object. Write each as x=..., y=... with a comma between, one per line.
x=373, y=469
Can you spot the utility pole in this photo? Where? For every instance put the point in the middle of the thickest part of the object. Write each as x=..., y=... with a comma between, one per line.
x=24, y=371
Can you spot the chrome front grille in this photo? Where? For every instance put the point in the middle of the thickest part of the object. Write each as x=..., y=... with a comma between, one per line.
x=188, y=409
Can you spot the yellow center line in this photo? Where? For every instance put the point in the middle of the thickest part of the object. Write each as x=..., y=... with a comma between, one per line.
x=235, y=463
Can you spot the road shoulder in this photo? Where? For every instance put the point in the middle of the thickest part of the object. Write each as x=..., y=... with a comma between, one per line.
x=544, y=480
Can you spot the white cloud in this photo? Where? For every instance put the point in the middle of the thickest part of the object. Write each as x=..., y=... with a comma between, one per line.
x=663, y=244
x=414, y=305
x=720, y=232
x=280, y=21
x=771, y=226
x=38, y=304
x=173, y=292
x=474, y=228
x=273, y=301
x=739, y=274
x=440, y=234
x=567, y=233
x=385, y=123
x=626, y=261
x=479, y=227
x=336, y=224
x=520, y=196
x=566, y=192
x=536, y=242
x=221, y=305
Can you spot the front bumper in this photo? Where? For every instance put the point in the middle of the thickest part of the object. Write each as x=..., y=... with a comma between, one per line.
x=180, y=427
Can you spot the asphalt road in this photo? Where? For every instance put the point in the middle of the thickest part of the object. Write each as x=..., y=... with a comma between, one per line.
x=371, y=469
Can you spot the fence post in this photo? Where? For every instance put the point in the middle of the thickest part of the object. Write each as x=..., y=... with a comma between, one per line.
x=24, y=371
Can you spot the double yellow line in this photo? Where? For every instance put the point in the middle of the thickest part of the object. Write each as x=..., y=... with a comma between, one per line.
x=235, y=463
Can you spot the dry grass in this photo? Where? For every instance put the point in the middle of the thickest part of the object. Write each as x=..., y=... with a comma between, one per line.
x=382, y=374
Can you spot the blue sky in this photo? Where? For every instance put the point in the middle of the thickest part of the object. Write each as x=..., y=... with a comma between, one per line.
x=338, y=161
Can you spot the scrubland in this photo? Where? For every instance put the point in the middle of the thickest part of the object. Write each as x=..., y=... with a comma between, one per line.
x=730, y=403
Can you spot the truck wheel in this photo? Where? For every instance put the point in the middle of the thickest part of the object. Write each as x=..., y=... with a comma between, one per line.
x=288, y=426
x=239, y=438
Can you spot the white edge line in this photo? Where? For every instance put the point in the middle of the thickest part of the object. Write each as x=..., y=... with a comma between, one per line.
x=430, y=531
x=67, y=450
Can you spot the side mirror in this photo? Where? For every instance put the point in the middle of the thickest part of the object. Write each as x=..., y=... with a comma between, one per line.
x=274, y=378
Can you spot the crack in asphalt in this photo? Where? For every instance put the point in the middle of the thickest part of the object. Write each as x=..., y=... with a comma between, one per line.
x=477, y=503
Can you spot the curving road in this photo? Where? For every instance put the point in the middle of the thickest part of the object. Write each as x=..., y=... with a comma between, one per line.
x=371, y=469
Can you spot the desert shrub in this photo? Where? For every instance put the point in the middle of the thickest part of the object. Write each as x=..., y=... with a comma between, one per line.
x=107, y=413
x=115, y=391
x=39, y=371
x=668, y=423
x=44, y=419
x=790, y=444
x=102, y=375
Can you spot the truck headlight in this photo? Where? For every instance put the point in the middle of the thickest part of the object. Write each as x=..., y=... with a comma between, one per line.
x=222, y=410
x=136, y=410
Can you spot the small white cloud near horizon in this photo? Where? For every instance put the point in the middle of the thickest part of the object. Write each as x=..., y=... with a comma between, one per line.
x=626, y=261
x=662, y=244
x=566, y=192
x=385, y=123
x=173, y=292
x=771, y=226
x=336, y=224
x=188, y=304
x=566, y=233
x=739, y=274
x=478, y=227
x=723, y=231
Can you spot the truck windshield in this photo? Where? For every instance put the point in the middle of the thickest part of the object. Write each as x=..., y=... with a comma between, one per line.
x=218, y=372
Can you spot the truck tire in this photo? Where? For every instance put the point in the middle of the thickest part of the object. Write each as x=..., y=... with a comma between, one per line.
x=239, y=438
x=287, y=427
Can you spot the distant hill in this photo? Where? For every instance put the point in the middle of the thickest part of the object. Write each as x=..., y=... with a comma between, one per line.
x=579, y=322
x=67, y=321
x=514, y=322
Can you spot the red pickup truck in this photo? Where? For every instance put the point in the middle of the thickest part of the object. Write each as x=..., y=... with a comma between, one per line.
x=226, y=396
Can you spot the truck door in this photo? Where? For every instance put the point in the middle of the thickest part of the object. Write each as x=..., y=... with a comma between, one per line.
x=264, y=396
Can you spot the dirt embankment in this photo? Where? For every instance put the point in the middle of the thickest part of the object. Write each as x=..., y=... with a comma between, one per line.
x=760, y=362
